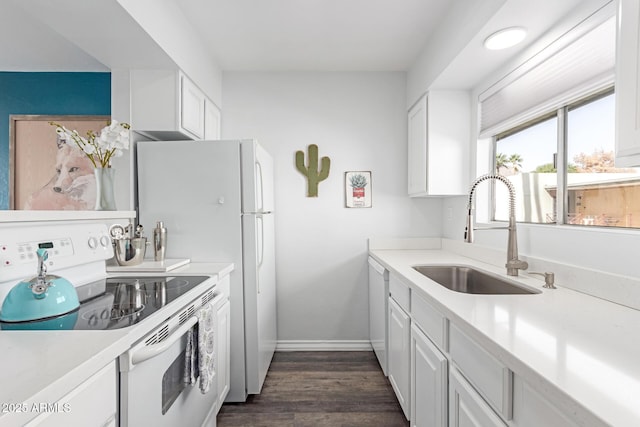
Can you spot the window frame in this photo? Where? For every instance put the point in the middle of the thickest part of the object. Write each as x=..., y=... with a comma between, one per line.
x=562, y=195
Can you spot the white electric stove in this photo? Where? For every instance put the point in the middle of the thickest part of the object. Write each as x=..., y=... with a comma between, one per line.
x=160, y=308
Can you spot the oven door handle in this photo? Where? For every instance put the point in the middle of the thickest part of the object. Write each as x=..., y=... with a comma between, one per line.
x=150, y=351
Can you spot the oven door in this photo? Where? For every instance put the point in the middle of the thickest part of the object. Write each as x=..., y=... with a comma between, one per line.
x=152, y=389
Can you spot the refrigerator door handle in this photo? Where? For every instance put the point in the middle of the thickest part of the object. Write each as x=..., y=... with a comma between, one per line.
x=260, y=195
x=260, y=244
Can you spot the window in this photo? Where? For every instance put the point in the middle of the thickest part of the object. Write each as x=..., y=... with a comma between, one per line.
x=568, y=177
x=552, y=121
x=520, y=156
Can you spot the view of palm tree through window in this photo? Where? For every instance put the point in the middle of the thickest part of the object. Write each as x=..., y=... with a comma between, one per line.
x=597, y=192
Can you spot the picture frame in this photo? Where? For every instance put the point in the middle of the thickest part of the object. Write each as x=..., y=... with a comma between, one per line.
x=358, y=189
x=41, y=175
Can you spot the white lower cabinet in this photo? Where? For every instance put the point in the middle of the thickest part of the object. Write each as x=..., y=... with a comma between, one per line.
x=428, y=382
x=445, y=375
x=399, y=355
x=466, y=407
x=92, y=404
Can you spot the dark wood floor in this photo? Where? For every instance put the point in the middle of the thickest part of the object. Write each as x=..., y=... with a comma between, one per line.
x=319, y=389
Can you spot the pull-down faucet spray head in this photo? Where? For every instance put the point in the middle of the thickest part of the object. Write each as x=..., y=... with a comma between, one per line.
x=513, y=263
x=468, y=228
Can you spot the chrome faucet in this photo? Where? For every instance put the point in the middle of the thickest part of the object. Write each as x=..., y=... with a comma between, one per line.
x=513, y=263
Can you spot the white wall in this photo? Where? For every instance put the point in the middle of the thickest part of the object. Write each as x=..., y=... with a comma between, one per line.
x=359, y=121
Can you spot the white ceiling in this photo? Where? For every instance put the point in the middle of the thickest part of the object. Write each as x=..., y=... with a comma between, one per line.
x=320, y=35
x=315, y=34
x=266, y=35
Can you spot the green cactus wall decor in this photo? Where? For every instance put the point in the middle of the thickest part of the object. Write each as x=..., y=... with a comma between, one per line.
x=311, y=169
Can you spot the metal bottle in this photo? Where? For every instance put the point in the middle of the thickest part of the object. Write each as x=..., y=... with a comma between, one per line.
x=159, y=241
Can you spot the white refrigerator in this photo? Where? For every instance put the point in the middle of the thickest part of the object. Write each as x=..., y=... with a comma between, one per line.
x=216, y=201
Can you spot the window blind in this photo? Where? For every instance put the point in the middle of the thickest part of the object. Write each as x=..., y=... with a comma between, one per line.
x=584, y=66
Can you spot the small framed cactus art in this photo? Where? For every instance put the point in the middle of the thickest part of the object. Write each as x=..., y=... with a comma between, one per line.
x=357, y=186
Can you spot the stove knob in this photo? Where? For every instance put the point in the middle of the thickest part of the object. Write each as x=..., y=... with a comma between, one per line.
x=93, y=242
x=105, y=241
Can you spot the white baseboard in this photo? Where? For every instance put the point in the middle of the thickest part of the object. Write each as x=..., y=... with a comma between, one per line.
x=323, y=345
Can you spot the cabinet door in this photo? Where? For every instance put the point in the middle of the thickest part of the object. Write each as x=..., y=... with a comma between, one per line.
x=223, y=350
x=466, y=407
x=428, y=382
x=211, y=120
x=438, y=144
x=417, y=148
x=399, y=354
x=191, y=107
x=628, y=85
x=92, y=403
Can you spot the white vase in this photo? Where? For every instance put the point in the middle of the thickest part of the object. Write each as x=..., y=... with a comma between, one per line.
x=105, y=181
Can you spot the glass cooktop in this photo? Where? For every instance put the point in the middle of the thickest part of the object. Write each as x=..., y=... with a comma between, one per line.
x=116, y=302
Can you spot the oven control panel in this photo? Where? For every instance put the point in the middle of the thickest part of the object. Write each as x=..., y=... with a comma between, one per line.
x=68, y=245
x=27, y=250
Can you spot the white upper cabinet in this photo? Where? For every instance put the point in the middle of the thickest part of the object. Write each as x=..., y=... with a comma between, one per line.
x=166, y=104
x=211, y=120
x=191, y=108
x=628, y=84
x=438, y=144
x=417, y=149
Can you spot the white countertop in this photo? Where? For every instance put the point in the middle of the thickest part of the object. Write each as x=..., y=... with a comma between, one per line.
x=42, y=366
x=585, y=347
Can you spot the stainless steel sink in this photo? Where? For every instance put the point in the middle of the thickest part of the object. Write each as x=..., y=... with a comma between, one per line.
x=468, y=280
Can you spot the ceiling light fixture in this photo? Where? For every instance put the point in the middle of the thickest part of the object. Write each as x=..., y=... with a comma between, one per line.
x=505, y=38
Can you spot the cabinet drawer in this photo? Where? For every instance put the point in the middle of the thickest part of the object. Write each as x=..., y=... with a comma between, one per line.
x=400, y=292
x=429, y=319
x=532, y=409
x=492, y=379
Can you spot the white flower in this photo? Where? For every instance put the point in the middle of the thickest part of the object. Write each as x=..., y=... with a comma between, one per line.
x=99, y=148
x=87, y=147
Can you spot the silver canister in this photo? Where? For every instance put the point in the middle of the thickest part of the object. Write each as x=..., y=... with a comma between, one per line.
x=159, y=241
x=130, y=251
